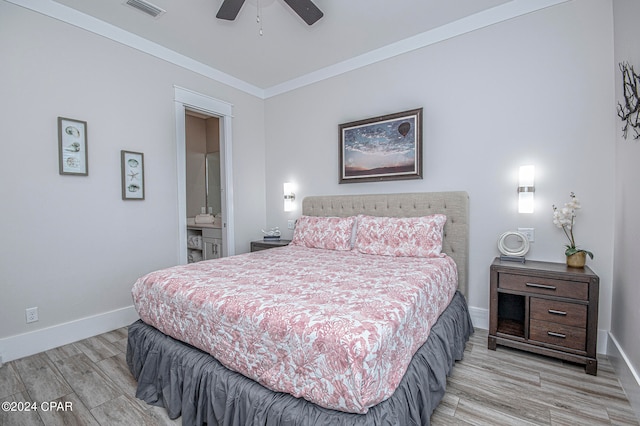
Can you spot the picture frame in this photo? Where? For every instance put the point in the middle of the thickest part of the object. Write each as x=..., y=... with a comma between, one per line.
x=382, y=148
x=132, y=167
x=72, y=147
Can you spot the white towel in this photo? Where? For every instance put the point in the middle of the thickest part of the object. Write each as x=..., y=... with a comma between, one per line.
x=194, y=241
x=194, y=256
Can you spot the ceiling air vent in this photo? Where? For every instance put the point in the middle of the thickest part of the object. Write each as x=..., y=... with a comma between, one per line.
x=146, y=7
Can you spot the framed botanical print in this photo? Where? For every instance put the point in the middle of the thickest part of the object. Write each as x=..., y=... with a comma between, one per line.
x=72, y=147
x=132, y=166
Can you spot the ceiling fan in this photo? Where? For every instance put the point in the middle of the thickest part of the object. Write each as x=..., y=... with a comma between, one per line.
x=308, y=11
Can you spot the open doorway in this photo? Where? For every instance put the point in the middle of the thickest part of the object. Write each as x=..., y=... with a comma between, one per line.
x=216, y=116
x=203, y=187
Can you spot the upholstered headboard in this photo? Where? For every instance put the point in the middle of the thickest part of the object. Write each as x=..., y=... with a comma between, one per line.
x=455, y=205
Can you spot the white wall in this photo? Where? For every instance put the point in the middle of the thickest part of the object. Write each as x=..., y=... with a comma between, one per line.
x=537, y=89
x=69, y=244
x=625, y=315
x=533, y=90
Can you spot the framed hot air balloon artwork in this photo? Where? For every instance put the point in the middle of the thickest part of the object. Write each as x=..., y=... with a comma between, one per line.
x=382, y=148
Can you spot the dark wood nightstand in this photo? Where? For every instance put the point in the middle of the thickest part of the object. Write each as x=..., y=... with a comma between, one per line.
x=546, y=308
x=267, y=244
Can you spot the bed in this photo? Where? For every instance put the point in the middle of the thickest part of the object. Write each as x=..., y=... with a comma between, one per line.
x=339, y=329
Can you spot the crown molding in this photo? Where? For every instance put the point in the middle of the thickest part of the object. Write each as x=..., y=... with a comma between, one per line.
x=495, y=15
x=86, y=22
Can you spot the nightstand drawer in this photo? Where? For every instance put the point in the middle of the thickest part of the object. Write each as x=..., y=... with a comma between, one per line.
x=558, y=334
x=540, y=285
x=550, y=310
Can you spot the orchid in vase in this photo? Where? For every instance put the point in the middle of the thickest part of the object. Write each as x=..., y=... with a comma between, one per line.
x=565, y=218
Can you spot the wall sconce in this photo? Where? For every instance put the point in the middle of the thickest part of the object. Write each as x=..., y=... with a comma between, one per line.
x=526, y=189
x=289, y=197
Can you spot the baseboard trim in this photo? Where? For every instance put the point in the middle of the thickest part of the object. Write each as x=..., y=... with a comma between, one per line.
x=22, y=345
x=603, y=341
x=627, y=374
x=479, y=317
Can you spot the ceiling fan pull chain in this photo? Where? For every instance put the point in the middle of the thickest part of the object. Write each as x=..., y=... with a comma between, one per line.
x=258, y=20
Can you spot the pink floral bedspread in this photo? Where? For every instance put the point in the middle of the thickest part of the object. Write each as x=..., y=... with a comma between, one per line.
x=337, y=328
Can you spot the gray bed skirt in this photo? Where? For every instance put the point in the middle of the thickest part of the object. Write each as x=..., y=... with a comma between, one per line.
x=192, y=384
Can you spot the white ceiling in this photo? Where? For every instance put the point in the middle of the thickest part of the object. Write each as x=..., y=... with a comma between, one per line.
x=289, y=54
x=288, y=48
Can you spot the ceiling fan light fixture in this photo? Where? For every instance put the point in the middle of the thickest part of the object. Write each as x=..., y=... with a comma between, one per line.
x=229, y=9
x=305, y=9
x=146, y=7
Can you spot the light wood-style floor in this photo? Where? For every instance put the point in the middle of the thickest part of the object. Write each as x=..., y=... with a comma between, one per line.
x=92, y=385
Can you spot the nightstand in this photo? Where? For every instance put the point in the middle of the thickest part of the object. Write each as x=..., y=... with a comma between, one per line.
x=546, y=308
x=267, y=244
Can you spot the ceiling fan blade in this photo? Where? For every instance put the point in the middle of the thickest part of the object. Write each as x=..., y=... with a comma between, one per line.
x=308, y=11
x=229, y=9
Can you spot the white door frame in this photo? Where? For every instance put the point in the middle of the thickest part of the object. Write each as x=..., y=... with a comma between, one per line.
x=187, y=99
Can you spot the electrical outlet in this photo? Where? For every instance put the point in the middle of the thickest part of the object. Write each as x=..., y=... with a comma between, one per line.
x=291, y=224
x=32, y=315
x=529, y=233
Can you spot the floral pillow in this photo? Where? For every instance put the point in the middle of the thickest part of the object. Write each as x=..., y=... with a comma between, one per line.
x=330, y=233
x=406, y=236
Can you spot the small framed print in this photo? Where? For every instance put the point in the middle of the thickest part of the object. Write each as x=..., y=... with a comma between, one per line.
x=72, y=147
x=132, y=165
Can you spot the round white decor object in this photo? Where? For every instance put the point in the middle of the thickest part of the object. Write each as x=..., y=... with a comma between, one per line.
x=513, y=243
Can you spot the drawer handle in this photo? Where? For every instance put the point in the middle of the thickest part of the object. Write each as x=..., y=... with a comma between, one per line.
x=554, y=312
x=551, y=333
x=546, y=287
